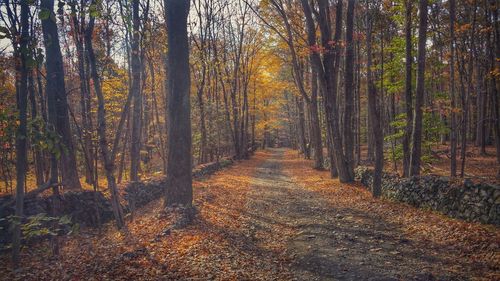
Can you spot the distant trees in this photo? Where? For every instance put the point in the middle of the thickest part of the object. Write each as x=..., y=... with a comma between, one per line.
x=425, y=117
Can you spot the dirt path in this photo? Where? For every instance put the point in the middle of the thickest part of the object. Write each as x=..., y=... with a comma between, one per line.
x=335, y=243
x=274, y=218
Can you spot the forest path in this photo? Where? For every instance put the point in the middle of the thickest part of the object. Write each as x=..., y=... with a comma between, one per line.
x=335, y=242
x=272, y=217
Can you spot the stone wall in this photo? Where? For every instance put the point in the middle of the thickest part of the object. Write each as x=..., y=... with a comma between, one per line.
x=83, y=206
x=466, y=200
x=138, y=194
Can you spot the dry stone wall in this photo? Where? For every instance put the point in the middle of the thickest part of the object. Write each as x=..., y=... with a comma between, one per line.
x=467, y=201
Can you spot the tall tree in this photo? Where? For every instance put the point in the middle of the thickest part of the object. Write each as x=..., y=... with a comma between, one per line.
x=416, y=142
x=496, y=81
x=135, y=147
x=349, y=88
x=373, y=110
x=22, y=132
x=107, y=156
x=315, y=125
x=408, y=93
x=56, y=93
x=331, y=64
x=179, y=179
x=453, y=134
x=78, y=30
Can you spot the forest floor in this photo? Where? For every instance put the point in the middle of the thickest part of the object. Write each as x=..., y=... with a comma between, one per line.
x=478, y=167
x=274, y=218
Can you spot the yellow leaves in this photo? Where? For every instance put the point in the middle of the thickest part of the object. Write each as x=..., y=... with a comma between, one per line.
x=495, y=72
x=115, y=91
x=466, y=27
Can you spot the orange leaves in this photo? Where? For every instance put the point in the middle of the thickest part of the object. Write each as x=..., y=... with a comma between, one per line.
x=319, y=49
x=468, y=249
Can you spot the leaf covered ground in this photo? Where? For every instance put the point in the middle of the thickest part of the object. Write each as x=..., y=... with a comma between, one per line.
x=274, y=218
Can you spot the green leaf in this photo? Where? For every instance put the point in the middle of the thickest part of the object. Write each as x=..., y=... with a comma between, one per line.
x=30, y=62
x=44, y=14
x=93, y=11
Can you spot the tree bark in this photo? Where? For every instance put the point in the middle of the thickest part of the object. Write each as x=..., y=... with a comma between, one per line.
x=179, y=181
x=22, y=131
x=107, y=156
x=496, y=87
x=78, y=36
x=56, y=90
x=408, y=94
x=328, y=77
x=416, y=142
x=37, y=152
x=453, y=125
x=331, y=63
x=316, y=128
x=374, y=113
x=135, y=143
x=349, y=89
x=302, y=127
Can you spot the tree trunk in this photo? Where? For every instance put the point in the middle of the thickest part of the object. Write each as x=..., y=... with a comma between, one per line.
x=56, y=90
x=328, y=76
x=203, y=126
x=374, y=114
x=37, y=152
x=109, y=163
x=453, y=121
x=496, y=87
x=302, y=127
x=408, y=94
x=22, y=131
x=465, y=112
x=135, y=143
x=179, y=182
x=349, y=89
x=416, y=142
x=78, y=30
x=316, y=127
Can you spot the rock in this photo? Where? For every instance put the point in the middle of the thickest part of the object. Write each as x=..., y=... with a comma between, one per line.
x=469, y=201
x=134, y=254
x=166, y=232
